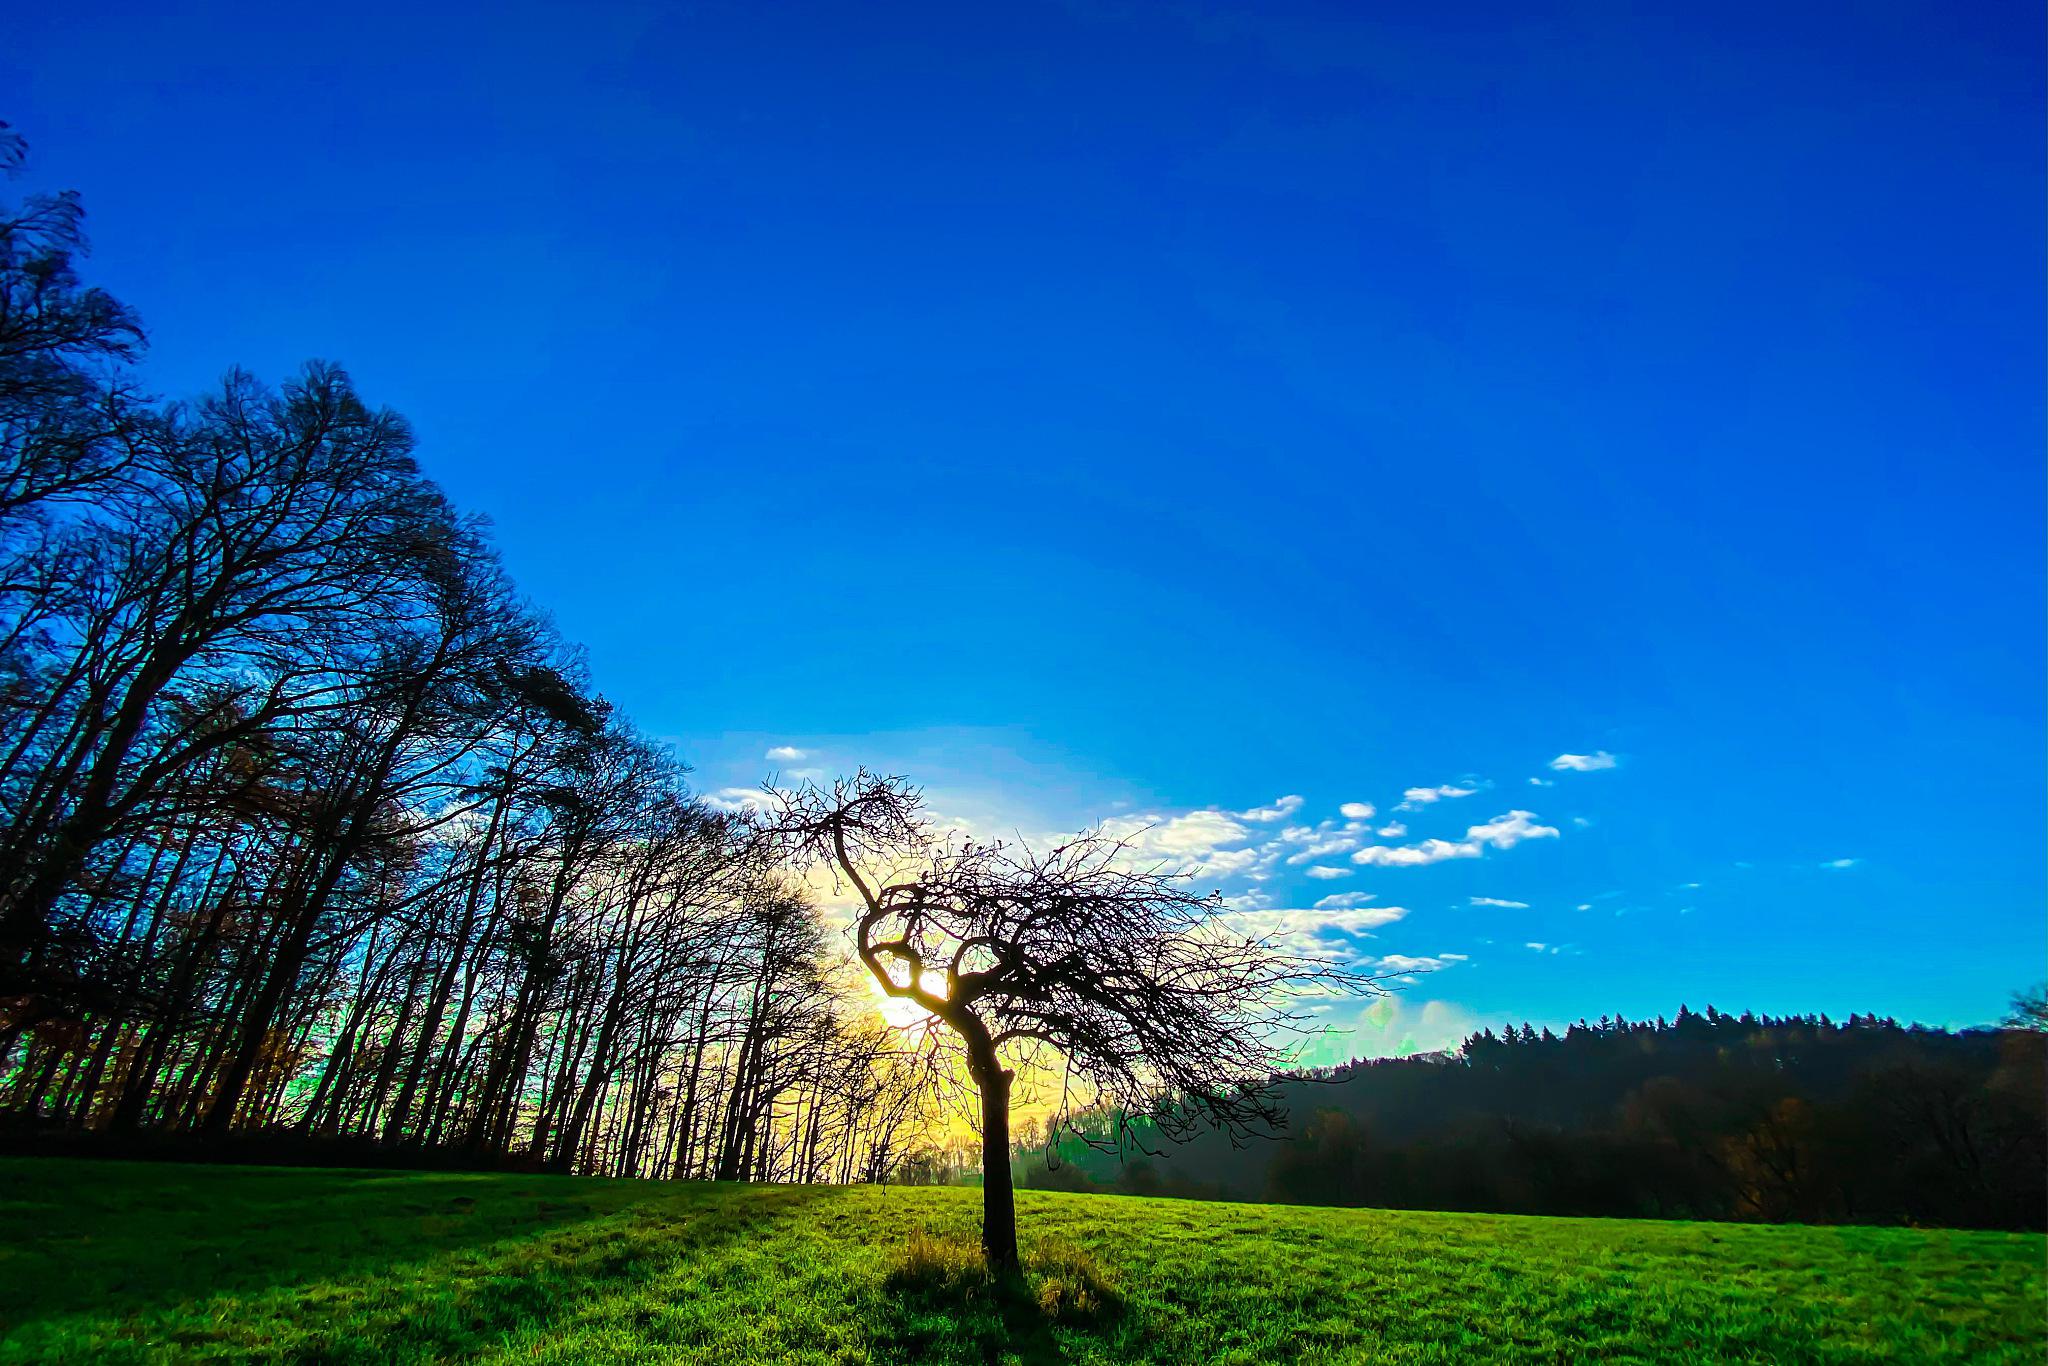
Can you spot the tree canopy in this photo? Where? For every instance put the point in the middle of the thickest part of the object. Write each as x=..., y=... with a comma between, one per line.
x=1128, y=976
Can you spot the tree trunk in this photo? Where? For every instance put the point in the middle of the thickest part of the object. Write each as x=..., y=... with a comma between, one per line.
x=998, y=1200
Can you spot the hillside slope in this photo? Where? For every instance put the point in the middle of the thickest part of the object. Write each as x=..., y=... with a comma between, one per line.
x=132, y=1262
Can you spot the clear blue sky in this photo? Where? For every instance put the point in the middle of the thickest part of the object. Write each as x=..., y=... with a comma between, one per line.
x=1117, y=410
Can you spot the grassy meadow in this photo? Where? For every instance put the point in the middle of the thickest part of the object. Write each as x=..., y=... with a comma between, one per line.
x=110, y=1261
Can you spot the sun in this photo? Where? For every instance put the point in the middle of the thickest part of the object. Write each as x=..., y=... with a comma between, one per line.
x=896, y=1013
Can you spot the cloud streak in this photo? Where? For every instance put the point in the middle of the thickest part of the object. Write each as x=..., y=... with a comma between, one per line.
x=1502, y=832
x=1415, y=798
x=1280, y=810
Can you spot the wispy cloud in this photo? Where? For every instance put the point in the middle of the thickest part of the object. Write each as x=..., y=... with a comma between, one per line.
x=1344, y=900
x=1415, y=798
x=1198, y=841
x=737, y=799
x=1280, y=810
x=1323, y=872
x=1414, y=855
x=1583, y=763
x=1842, y=863
x=787, y=754
x=1505, y=832
x=1497, y=901
x=1323, y=848
x=1502, y=832
x=1326, y=931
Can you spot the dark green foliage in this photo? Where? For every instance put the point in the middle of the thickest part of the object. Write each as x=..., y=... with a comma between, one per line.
x=1710, y=1117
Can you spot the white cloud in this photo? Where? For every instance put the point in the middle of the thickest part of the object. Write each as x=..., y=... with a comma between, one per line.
x=1583, y=763
x=1336, y=844
x=787, y=754
x=1197, y=832
x=1359, y=919
x=1414, y=855
x=1842, y=863
x=1279, y=810
x=1496, y=901
x=1198, y=841
x=1344, y=900
x=1505, y=832
x=1502, y=832
x=1542, y=782
x=1537, y=945
x=1323, y=872
x=1223, y=862
x=1324, y=931
x=1392, y=830
x=1416, y=797
x=737, y=799
x=1356, y=811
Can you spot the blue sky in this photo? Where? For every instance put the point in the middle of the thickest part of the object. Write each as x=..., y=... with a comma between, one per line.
x=1115, y=411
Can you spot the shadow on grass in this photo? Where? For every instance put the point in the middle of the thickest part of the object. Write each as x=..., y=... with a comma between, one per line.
x=945, y=1305
x=121, y=1237
x=332, y=1266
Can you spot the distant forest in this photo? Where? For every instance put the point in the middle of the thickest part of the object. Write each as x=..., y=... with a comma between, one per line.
x=1708, y=1116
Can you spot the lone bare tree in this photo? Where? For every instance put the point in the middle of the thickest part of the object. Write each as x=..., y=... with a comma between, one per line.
x=1132, y=978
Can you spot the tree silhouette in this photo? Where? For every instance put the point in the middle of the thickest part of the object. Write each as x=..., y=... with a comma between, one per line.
x=316, y=842
x=1151, y=1004
x=2029, y=1008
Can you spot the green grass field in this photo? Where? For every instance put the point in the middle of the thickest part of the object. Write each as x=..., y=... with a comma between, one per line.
x=110, y=1261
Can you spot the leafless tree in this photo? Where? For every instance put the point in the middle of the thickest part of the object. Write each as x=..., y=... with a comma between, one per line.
x=1130, y=976
x=312, y=832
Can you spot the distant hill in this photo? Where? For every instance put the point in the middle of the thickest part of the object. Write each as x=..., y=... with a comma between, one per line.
x=1706, y=1116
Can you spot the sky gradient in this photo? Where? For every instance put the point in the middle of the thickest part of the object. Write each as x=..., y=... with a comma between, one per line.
x=1146, y=414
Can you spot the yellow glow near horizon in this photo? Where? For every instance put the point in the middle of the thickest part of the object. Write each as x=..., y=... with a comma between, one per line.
x=895, y=1012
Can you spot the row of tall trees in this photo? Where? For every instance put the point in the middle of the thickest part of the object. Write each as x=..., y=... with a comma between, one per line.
x=1707, y=1115
x=309, y=824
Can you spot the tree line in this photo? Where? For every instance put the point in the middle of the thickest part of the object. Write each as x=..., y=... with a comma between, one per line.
x=1705, y=1116
x=311, y=826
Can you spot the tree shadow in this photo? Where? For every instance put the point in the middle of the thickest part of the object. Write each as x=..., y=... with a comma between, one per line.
x=137, y=1248
x=943, y=1305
